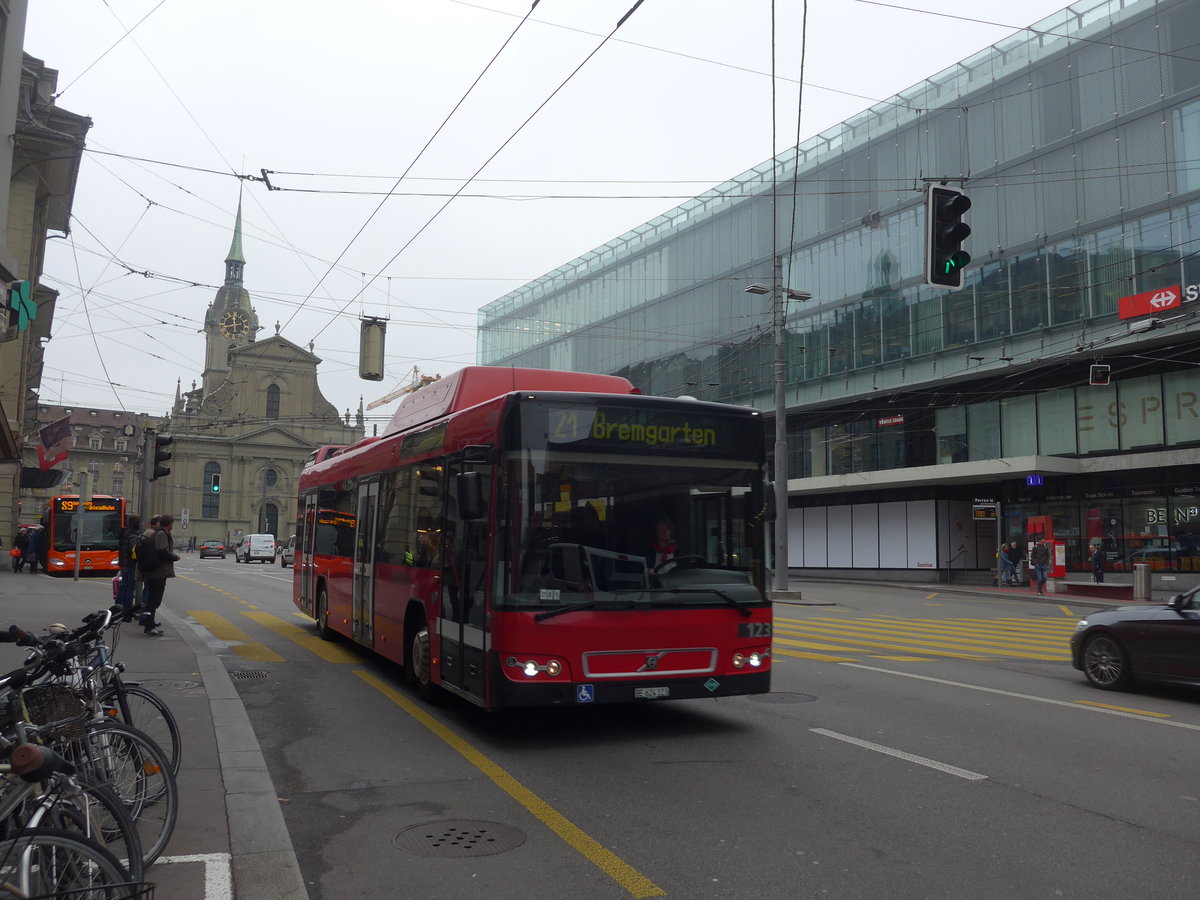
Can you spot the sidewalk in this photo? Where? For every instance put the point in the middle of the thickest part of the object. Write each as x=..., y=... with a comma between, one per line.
x=797, y=584
x=230, y=838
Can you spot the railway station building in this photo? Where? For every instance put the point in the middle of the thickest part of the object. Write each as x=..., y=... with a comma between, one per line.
x=1061, y=383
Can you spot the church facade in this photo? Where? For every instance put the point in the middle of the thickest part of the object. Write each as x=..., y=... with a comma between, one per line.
x=243, y=435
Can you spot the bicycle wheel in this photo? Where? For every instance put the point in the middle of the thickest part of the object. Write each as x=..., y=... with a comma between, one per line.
x=145, y=711
x=93, y=810
x=46, y=862
x=138, y=771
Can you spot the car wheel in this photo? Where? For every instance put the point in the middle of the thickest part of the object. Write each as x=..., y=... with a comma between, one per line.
x=1105, y=663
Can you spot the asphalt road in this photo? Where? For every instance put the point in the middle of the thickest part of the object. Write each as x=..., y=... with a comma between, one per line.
x=914, y=746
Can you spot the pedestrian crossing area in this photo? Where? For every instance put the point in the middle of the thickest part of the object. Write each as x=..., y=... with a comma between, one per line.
x=851, y=639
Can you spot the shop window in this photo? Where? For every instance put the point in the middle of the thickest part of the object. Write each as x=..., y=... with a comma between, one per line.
x=1185, y=531
x=1147, y=536
x=1056, y=423
x=1096, y=418
x=952, y=434
x=1018, y=422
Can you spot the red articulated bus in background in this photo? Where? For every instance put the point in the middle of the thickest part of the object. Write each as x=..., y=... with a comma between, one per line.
x=96, y=525
x=498, y=541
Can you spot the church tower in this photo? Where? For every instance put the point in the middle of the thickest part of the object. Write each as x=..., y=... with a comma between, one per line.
x=230, y=321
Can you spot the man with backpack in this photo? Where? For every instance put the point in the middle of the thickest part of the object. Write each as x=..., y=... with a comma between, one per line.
x=156, y=559
x=129, y=537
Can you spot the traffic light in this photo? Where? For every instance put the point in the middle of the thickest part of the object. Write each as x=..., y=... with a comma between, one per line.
x=216, y=483
x=161, y=455
x=1099, y=374
x=945, y=232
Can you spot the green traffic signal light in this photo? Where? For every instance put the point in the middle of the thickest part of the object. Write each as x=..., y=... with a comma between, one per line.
x=945, y=232
x=216, y=484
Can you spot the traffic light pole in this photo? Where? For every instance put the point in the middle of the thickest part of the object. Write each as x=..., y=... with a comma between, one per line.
x=147, y=467
x=781, y=461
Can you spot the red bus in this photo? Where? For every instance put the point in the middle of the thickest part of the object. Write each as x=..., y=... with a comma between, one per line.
x=496, y=541
x=97, y=523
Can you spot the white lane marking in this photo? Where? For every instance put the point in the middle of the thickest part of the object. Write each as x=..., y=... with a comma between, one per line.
x=900, y=754
x=218, y=872
x=987, y=690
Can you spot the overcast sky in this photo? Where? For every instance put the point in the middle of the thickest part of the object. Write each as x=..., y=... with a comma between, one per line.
x=339, y=99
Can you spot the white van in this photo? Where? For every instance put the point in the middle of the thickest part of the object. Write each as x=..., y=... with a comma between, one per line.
x=255, y=546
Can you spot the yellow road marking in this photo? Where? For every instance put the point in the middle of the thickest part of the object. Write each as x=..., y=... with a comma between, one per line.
x=239, y=642
x=327, y=650
x=1067, y=611
x=819, y=657
x=1124, y=709
x=904, y=642
x=930, y=596
x=902, y=658
x=592, y=850
x=209, y=586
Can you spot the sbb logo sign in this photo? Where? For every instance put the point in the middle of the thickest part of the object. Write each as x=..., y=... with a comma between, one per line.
x=1156, y=301
x=1151, y=301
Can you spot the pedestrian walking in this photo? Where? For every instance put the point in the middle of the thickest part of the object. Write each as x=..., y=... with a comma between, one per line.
x=20, y=543
x=32, y=548
x=1017, y=558
x=1007, y=572
x=1039, y=557
x=155, y=576
x=1097, y=560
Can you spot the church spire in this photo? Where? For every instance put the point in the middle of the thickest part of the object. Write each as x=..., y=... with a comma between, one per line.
x=235, y=262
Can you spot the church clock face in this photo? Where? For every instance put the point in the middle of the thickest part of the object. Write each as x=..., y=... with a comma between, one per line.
x=234, y=324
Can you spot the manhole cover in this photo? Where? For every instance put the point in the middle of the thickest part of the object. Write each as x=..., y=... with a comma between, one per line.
x=248, y=673
x=782, y=698
x=459, y=839
x=174, y=685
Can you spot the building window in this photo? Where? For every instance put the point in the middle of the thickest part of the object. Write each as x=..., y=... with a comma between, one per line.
x=118, y=486
x=272, y=401
x=121, y=445
x=210, y=508
x=270, y=478
x=95, y=442
x=93, y=467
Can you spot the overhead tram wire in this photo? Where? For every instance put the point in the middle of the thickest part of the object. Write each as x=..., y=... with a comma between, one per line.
x=403, y=174
x=497, y=152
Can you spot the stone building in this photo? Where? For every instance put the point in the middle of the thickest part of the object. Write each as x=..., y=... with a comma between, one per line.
x=105, y=443
x=40, y=159
x=250, y=425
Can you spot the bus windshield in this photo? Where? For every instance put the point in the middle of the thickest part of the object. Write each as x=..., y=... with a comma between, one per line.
x=611, y=527
x=101, y=528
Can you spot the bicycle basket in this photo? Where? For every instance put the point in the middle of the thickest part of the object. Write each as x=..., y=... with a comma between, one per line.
x=140, y=890
x=56, y=705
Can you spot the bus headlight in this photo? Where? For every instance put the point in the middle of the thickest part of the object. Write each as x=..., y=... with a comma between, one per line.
x=532, y=668
x=755, y=659
x=57, y=562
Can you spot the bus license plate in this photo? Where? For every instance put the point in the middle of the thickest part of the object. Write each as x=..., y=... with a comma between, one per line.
x=651, y=693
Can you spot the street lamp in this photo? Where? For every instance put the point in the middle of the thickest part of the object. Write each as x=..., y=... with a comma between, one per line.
x=778, y=314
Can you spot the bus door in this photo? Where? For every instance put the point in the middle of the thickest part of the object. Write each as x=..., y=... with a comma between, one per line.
x=464, y=562
x=306, y=548
x=364, y=564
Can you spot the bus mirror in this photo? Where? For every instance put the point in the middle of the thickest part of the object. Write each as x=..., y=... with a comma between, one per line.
x=470, y=495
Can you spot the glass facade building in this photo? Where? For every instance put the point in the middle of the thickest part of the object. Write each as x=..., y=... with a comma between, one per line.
x=1078, y=141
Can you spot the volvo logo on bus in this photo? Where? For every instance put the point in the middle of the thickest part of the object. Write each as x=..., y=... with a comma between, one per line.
x=652, y=661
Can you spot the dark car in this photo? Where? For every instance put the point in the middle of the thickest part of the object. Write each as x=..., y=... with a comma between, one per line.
x=212, y=548
x=1114, y=647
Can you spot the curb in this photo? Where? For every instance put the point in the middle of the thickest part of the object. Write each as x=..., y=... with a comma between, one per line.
x=263, y=860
